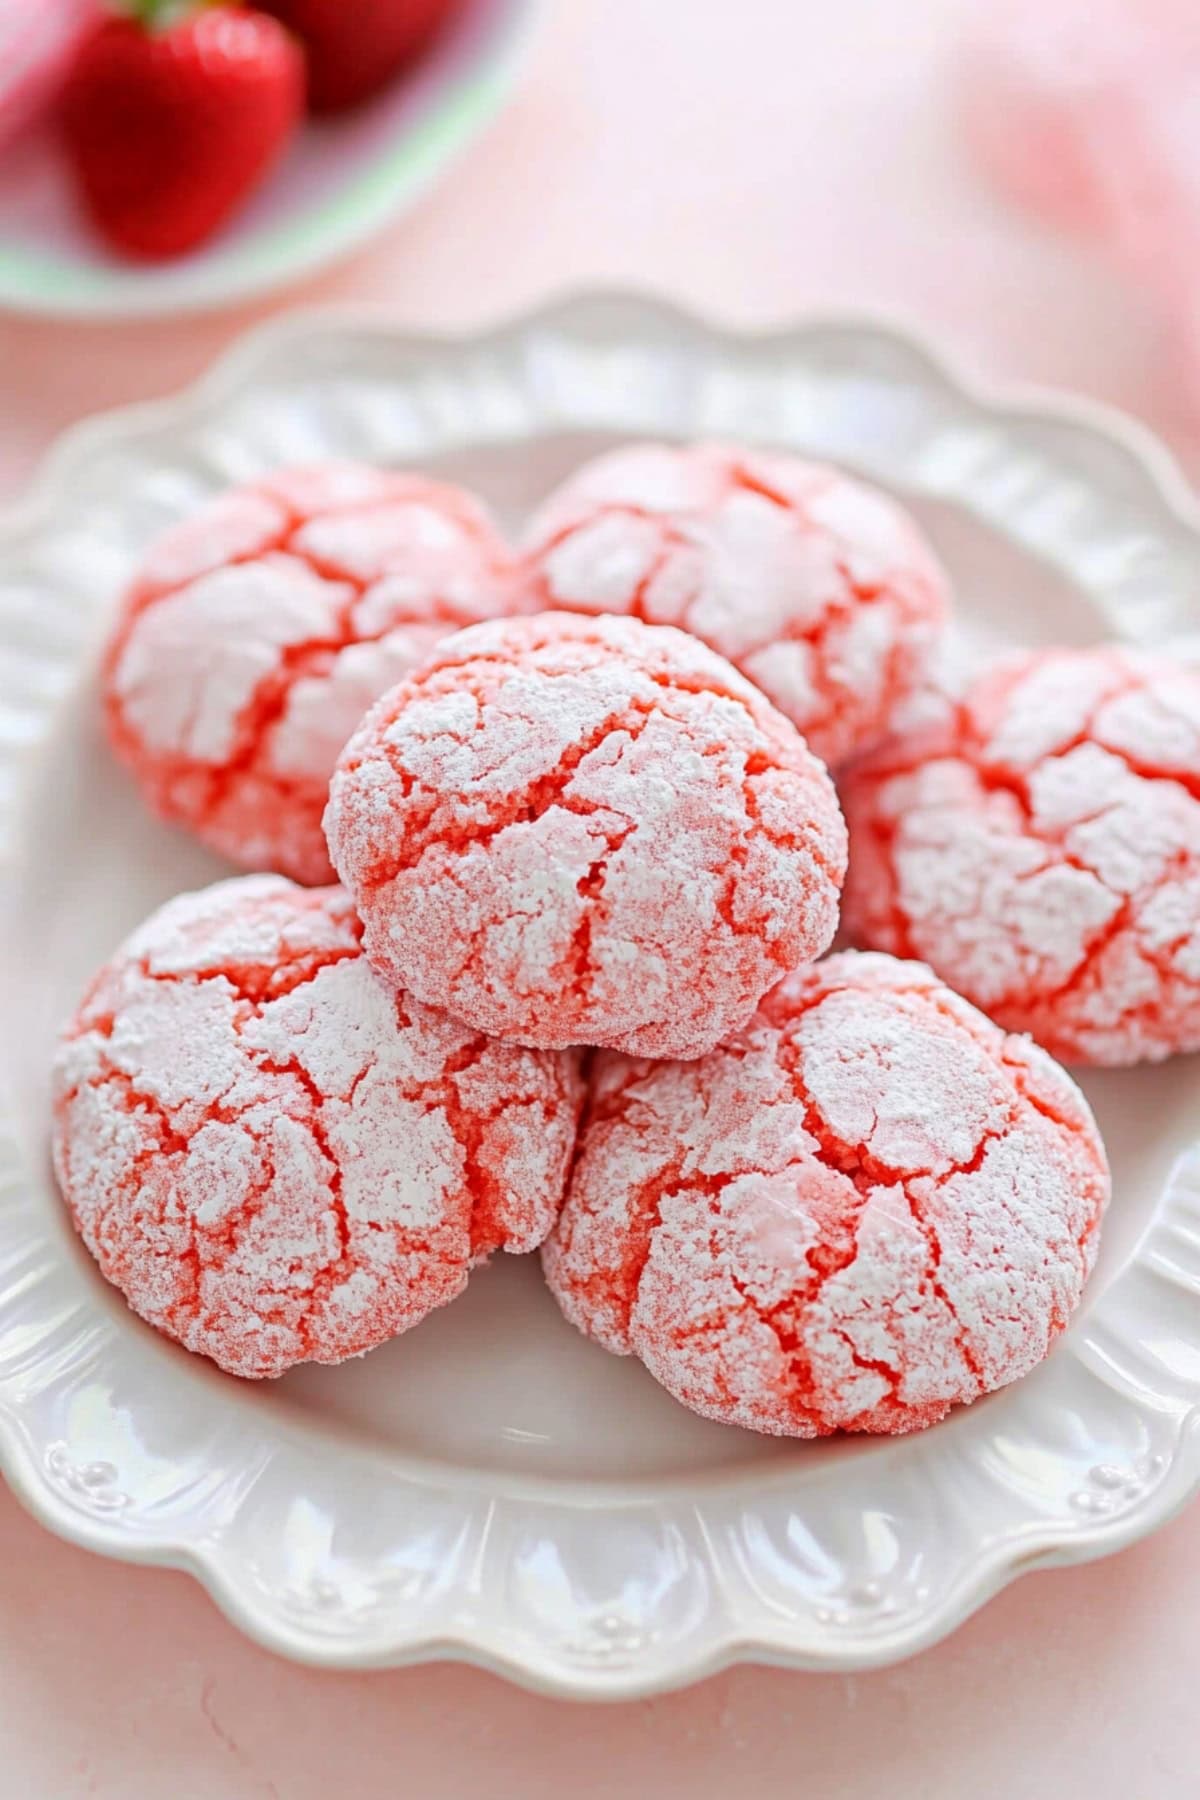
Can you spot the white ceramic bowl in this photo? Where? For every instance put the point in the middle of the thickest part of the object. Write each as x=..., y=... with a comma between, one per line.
x=342, y=180
x=491, y=1486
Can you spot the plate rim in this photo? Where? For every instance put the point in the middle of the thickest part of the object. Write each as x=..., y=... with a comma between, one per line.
x=546, y=1668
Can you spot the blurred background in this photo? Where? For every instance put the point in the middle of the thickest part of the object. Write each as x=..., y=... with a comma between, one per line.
x=755, y=161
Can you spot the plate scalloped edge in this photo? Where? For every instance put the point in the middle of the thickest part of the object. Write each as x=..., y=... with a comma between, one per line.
x=1097, y=1448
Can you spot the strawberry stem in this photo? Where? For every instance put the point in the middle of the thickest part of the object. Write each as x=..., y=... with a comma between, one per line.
x=155, y=15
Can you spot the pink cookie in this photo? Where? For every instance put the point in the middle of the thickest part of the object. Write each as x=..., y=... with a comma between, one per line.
x=257, y=634
x=1040, y=847
x=277, y=1159
x=865, y=1208
x=817, y=588
x=589, y=831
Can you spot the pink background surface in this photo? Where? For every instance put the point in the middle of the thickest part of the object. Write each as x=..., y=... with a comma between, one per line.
x=754, y=158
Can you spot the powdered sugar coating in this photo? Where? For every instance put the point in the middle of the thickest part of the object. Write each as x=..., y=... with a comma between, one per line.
x=818, y=588
x=276, y=1158
x=1039, y=845
x=867, y=1207
x=258, y=632
x=586, y=831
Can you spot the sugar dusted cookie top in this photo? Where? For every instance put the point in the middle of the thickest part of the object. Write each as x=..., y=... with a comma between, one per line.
x=569, y=830
x=276, y=1158
x=864, y=1208
x=817, y=587
x=257, y=633
x=1039, y=845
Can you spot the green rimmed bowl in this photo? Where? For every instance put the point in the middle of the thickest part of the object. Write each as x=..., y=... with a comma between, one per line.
x=341, y=182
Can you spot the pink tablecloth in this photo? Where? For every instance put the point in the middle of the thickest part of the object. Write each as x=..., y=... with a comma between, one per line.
x=755, y=159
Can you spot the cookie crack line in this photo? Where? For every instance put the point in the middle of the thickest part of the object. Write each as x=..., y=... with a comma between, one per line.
x=787, y=1319
x=836, y=607
x=285, y=1167
x=966, y=742
x=256, y=716
x=791, y=556
x=523, y=807
x=902, y=941
x=138, y=1102
x=532, y=848
x=812, y=1285
x=869, y=1173
x=1101, y=973
x=276, y=984
x=246, y=786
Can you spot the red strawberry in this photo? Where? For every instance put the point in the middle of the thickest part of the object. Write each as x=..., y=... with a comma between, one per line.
x=356, y=46
x=170, y=125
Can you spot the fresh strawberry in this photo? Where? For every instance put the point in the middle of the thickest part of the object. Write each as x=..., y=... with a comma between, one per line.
x=170, y=122
x=356, y=46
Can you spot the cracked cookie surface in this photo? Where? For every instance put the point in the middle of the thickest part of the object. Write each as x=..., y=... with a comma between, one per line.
x=258, y=632
x=276, y=1158
x=586, y=831
x=1038, y=843
x=867, y=1206
x=820, y=589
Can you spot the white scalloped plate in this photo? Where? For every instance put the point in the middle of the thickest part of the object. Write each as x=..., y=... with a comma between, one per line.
x=491, y=1486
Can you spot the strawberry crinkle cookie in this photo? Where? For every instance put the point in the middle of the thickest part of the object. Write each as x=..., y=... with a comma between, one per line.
x=276, y=1158
x=588, y=831
x=257, y=633
x=867, y=1207
x=1039, y=845
x=818, y=588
